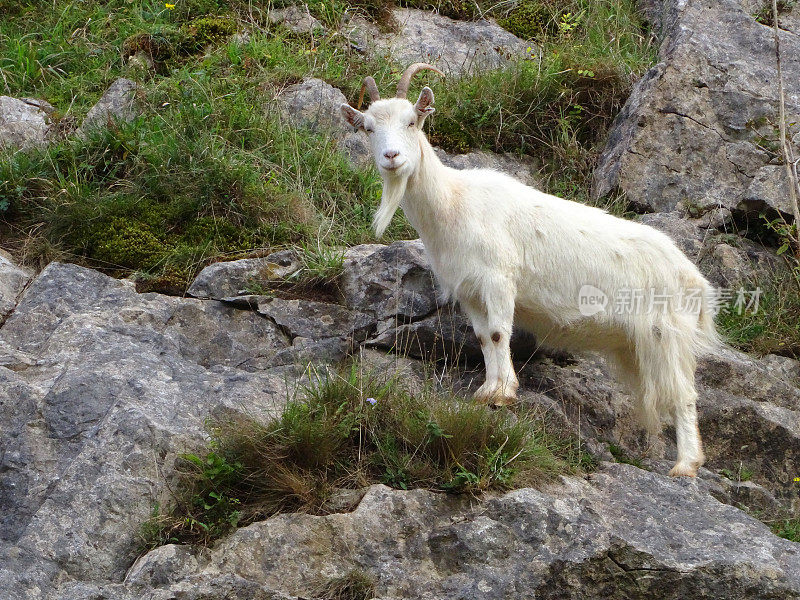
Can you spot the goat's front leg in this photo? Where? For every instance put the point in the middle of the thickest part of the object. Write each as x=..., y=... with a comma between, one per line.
x=492, y=319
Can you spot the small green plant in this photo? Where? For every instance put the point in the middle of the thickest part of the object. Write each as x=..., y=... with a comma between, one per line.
x=153, y=533
x=787, y=528
x=785, y=232
x=348, y=430
x=321, y=265
x=765, y=16
x=568, y=23
x=257, y=288
x=741, y=473
x=621, y=456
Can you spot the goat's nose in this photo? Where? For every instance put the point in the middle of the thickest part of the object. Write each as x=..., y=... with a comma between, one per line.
x=390, y=154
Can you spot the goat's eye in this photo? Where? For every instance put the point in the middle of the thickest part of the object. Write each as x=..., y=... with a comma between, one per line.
x=368, y=129
x=412, y=123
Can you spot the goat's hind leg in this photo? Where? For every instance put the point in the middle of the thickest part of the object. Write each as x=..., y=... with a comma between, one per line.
x=492, y=319
x=681, y=390
x=690, y=448
x=668, y=386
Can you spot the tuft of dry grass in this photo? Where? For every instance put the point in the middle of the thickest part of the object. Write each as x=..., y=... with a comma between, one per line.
x=350, y=430
x=355, y=585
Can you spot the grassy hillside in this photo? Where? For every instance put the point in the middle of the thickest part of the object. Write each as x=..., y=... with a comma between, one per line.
x=209, y=171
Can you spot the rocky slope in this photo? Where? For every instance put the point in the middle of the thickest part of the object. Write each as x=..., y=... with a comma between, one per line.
x=102, y=388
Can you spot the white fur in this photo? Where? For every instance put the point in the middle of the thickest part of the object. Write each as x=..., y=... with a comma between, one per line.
x=511, y=254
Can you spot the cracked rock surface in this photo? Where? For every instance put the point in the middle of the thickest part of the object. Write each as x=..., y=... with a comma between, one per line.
x=699, y=130
x=623, y=533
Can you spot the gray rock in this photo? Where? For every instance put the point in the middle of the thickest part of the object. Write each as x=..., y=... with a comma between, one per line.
x=412, y=373
x=783, y=368
x=445, y=334
x=101, y=389
x=241, y=38
x=118, y=103
x=728, y=261
x=140, y=63
x=13, y=280
x=622, y=533
x=456, y=47
x=227, y=279
x=297, y=19
x=316, y=320
x=359, y=32
x=315, y=104
x=389, y=281
x=505, y=163
x=699, y=130
x=24, y=123
x=105, y=389
x=768, y=190
x=750, y=416
x=742, y=494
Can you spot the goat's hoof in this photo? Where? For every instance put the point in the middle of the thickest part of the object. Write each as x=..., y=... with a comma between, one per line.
x=683, y=470
x=503, y=401
x=484, y=396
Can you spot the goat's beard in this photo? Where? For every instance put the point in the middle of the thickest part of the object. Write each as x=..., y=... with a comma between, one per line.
x=394, y=188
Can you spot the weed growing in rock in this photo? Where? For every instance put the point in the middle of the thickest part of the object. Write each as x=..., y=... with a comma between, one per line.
x=350, y=430
x=787, y=528
x=355, y=585
x=320, y=265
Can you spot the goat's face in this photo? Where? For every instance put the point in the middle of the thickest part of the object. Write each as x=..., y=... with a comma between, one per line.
x=393, y=127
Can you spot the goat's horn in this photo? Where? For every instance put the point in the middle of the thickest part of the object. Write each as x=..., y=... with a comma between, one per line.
x=372, y=87
x=405, y=80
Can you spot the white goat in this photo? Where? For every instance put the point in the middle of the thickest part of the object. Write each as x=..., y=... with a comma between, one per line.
x=512, y=254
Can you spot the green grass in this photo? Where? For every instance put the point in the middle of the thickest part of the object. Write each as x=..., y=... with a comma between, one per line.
x=320, y=265
x=208, y=171
x=558, y=103
x=350, y=430
x=787, y=528
x=774, y=328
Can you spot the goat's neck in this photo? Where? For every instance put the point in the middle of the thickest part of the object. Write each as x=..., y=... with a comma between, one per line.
x=429, y=200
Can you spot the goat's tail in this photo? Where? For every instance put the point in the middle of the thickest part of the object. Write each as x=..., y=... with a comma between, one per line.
x=666, y=351
x=707, y=338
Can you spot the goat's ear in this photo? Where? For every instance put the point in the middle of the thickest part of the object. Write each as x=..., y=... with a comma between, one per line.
x=352, y=116
x=423, y=105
